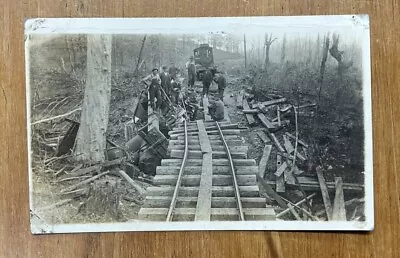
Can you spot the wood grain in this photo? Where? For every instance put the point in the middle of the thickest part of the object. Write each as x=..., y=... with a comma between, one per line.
x=15, y=237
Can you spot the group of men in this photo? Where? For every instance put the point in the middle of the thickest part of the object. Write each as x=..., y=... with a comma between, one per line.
x=164, y=85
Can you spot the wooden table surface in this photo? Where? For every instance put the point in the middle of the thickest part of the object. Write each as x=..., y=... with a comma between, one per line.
x=15, y=237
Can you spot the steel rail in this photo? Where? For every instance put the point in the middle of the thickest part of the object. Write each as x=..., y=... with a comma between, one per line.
x=235, y=184
x=178, y=182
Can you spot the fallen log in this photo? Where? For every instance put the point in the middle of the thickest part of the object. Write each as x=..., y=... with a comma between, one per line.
x=135, y=185
x=73, y=187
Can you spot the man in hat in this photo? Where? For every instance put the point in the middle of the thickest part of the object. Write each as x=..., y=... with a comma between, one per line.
x=207, y=79
x=166, y=81
x=191, y=67
x=154, y=81
x=220, y=80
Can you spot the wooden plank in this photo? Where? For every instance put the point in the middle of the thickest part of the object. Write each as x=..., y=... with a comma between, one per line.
x=296, y=204
x=281, y=169
x=216, y=162
x=271, y=102
x=264, y=160
x=339, y=209
x=242, y=148
x=235, y=142
x=280, y=182
x=271, y=193
x=298, y=140
x=264, y=120
x=263, y=137
x=212, y=137
x=208, y=127
x=325, y=193
x=193, y=154
x=217, y=170
x=211, y=132
x=221, y=214
x=249, y=117
x=288, y=145
x=293, y=211
x=224, y=214
x=203, y=138
x=217, y=191
x=203, y=208
x=191, y=202
x=239, y=100
x=250, y=111
x=277, y=143
x=288, y=175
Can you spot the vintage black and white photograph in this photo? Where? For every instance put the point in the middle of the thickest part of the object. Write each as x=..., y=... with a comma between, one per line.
x=246, y=123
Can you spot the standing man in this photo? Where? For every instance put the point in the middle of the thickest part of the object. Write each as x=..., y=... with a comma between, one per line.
x=166, y=81
x=173, y=71
x=191, y=67
x=220, y=80
x=207, y=79
x=176, y=89
x=154, y=82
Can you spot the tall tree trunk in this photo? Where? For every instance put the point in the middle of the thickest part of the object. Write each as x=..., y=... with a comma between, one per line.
x=245, y=53
x=283, y=51
x=91, y=139
x=140, y=54
x=338, y=55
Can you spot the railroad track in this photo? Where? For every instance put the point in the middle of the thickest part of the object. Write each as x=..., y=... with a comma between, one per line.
x=207, y=177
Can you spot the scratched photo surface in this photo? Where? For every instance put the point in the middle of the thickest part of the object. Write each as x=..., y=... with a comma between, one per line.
x=259, y=127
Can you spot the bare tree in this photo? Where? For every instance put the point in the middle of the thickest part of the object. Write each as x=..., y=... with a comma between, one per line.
x=140, y=54
x=267, y=43
x=91, y=138
x=338, y=55
x=283, y=50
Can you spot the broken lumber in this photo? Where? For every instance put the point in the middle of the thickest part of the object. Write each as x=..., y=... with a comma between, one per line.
x=249, y=117
x=264, y=120
x=271, y=102
x=135, y=185
x=292, y=210
x=325, y=193
x=290, y=149
x=280, y=181
x=250, y=111
x=264, y=160
x=281, y=169
x=296, y=204
x=263, y=137
x=298, y=140
x=339, y=209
